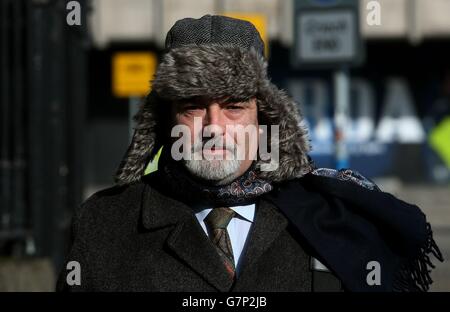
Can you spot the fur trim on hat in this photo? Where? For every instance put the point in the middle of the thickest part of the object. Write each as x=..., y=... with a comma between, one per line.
x=216, y=71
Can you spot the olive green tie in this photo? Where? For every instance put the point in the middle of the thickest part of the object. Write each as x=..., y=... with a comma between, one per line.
x=216, y=222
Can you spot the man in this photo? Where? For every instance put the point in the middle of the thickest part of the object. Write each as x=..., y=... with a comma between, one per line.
x=220, y=212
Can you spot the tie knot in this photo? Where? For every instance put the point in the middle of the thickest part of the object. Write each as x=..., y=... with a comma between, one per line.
x=219, y=218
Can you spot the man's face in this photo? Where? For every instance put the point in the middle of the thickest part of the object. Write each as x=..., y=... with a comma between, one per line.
x=222, y=143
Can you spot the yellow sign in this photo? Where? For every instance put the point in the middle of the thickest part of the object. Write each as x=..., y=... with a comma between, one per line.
x=132, y=72
x=260, y=23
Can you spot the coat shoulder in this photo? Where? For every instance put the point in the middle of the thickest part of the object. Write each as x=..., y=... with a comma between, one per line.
x=110, y=206
x=115, y=195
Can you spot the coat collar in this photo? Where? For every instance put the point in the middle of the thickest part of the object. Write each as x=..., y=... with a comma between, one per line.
x=159, y=211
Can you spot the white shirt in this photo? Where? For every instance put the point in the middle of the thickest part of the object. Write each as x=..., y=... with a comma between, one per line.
x=238, y=228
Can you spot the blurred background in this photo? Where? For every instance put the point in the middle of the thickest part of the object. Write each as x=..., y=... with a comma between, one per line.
x=72, y=72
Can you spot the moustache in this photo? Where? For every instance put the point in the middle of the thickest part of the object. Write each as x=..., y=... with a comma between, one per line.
x=216, y=142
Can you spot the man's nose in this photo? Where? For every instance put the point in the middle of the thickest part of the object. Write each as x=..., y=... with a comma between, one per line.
x=214, y=119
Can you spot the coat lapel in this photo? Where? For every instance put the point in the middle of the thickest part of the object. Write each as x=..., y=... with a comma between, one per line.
x=191, y=244
x=187, y=240
x=267, y=226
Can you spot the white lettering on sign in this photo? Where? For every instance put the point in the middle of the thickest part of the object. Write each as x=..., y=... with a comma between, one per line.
x=398, y=121
x=315, y=93
x=362, y=107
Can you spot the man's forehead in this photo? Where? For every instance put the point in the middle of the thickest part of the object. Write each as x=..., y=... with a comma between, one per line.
x=201, y=100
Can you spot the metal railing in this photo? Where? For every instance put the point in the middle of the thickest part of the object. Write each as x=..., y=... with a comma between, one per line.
x=42, y=103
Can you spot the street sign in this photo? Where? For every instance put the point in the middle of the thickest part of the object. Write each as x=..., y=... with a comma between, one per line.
x=131, y=76
x=326, y=34
x=132, y=72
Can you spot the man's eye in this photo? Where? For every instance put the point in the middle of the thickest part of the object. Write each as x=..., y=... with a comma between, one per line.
x=234, y=107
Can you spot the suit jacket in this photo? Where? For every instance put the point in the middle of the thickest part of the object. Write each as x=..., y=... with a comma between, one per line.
x=135, y=238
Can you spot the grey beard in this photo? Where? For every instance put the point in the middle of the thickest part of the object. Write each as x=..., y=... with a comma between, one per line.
x=219, y=172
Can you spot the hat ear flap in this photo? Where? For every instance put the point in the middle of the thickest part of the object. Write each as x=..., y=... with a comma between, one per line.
x=293, y=145
x=142, y=146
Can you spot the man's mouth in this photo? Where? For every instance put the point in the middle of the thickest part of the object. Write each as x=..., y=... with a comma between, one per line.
x=215, y=150
x=219, y=151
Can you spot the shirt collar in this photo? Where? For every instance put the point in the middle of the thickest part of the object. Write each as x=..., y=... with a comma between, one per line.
x=247, y=212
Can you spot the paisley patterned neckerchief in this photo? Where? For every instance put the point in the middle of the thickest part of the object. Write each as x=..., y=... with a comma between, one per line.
x=174, y=179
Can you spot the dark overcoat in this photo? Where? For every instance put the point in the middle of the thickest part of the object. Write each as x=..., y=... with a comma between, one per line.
x=135, y=238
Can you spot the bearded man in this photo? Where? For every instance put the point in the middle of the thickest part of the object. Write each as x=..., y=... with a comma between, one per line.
x=202, y=205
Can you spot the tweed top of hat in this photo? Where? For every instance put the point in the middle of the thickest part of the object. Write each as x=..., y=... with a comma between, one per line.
x=214, y=29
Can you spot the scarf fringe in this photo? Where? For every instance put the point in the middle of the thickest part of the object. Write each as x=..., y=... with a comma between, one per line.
x=414, y=275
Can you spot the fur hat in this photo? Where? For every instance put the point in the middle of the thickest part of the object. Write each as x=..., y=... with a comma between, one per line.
x=216, y=57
